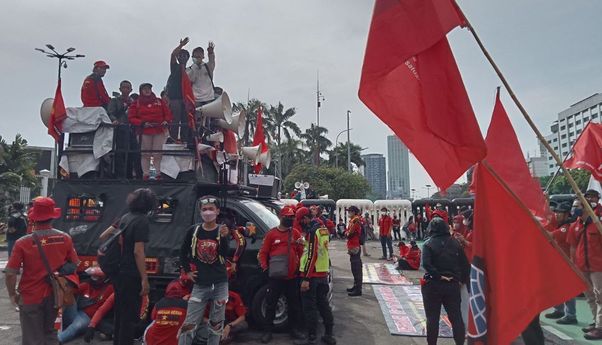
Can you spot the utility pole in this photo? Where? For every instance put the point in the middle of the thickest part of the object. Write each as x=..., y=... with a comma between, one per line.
x=348, y=143
x=319, y=99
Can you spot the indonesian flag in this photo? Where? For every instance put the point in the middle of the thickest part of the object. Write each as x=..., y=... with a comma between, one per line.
x=587, y=151
x=259, y=138
x=505, y=156
x=188, y=98
x=410, y=80
x=57, y=115
x=516, y=270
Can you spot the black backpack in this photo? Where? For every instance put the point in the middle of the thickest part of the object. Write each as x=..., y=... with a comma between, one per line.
x=110, y=251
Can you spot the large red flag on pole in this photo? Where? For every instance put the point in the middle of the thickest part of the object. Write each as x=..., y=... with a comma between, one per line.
x=410, y=80
x=587, y=152
x=516, y=270
x=259, y=137
x=505, y=156
x=58, y=114
x=188, y=97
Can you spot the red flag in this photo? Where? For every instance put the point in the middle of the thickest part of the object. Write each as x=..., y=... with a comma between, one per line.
x=511, y=277
x=188, y=98
x=505, y=156
x=410, y=80
x=58, y=114
x=586, y=151
x=229, y=141
x=259, y=138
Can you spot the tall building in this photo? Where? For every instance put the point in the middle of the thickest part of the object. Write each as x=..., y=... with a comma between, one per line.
x=375, y=172
x=569, y=125
x=399, y=168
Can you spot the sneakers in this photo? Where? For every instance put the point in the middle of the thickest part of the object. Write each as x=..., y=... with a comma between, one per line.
x=351, y=289
x=567, y=320
x=589, y=328
x=595, y=334
x=311, y=340
x=554, y=315
x=329, y=339
x=266, y=337
x=355, y=293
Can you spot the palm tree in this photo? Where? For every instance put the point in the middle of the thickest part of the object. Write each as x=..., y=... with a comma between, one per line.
x=337, y=157
x=250, y=109
x=291, y=154
x=316, y=141
x=280, y=123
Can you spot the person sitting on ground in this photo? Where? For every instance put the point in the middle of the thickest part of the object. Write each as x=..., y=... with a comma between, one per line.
x=168, y=315
x=93, y=91
x=152, y=116
x=235, y=322
x=410, y=260
x=90, y=297
x=201, y=74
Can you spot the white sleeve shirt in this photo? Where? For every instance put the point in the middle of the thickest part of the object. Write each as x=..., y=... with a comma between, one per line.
x=202, y=87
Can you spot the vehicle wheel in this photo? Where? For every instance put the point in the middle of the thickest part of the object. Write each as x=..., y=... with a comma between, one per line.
x=258, y=310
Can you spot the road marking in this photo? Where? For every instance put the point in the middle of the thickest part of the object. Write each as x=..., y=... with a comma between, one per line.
x=557, y=333
x=4, y=328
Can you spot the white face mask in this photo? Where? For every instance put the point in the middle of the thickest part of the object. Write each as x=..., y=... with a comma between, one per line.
x=593, y=204
x=197, y=61
x=465, y=222
x=209, y=216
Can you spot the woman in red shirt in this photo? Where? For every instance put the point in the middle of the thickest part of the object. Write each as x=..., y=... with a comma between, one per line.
x=151, y=115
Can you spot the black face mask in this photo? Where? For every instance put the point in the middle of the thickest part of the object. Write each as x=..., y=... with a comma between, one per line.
x=287, y=222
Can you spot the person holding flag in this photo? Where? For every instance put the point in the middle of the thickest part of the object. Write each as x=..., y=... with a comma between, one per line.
x=177, y=67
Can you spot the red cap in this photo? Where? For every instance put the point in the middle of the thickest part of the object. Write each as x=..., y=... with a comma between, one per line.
x=43, y=209
x=101, y=64
x=287, y=211
x=302, y=212
x=442, y=214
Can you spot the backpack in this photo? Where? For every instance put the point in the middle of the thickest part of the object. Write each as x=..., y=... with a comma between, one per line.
x=110, y=251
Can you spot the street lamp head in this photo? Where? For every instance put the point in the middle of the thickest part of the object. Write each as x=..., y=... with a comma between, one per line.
x=69, y=50
x=80, y=56
x=49, y=46
x=40, y=50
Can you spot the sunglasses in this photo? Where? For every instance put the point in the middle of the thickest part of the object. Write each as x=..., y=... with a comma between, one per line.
x=207, y=201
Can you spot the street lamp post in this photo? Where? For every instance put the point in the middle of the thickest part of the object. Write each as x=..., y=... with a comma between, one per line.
x=348, y=143
x=336, y=144
x=428, y=190
x=413, y=190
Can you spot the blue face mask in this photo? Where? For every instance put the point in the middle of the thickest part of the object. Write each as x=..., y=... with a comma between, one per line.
x=577, y=212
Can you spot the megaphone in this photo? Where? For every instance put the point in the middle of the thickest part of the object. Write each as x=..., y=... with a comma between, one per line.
x=239, y=121
x=298, y=184
x=217, y=136
x=251, y=152
x=305, y=185
x=219, y=108
x=265, y=158
x=46, y=110
x=202, y=148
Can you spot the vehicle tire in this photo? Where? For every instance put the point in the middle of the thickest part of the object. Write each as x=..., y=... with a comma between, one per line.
x=258, y=310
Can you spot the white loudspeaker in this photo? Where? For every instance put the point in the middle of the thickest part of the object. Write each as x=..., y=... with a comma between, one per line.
x=298, y=184
x=219, y=108
x=46, y=110
x=265, y=158
x=251, y=152
x=202, y=148
x=218, y=136
x=239, y=121
x=306, y=185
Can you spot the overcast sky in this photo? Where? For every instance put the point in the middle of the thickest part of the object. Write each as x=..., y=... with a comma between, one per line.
x=549, y=50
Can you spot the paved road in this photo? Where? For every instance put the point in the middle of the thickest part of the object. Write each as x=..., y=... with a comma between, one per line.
x=358, y=320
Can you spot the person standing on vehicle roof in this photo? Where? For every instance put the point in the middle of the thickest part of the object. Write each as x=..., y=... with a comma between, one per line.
x=353, y=233
x=586, y=251
x=131, y=281
x=279, y=259
x=201, y=74
x=177, y=66
x=93, y=91
x=46, y=249
x=206, y=246
x=314, y=269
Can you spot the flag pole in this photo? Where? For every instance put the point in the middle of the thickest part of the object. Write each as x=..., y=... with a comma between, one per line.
x=543, y=231
x=588, y=209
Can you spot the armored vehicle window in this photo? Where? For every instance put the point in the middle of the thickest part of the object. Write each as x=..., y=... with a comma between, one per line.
x=85, y=207
x=166, y=208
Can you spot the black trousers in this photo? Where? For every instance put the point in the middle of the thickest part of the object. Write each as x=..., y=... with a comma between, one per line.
x=396, y=234
x=533, y=334
x=356, y=270
x=316, y=300
x=402, y=264
x=290, y=289
x=126, y=309
x=37, y=322
x=434, y=295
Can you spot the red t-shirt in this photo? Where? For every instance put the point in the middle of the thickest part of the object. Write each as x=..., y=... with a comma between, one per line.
x=403, y=250
x=384, y=225
x=58, y=248
x=235, y=307
x=98, y=294
x=412, y=227
x=94, y=93
x=275, y=243
x=578, y=235
x=168, y=316
x=354, y=232
x=413, y=257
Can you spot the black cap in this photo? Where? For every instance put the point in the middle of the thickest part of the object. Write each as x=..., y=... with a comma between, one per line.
x=438, y=226
x=353, y=209
x=143, y=85
x=563, y=208
x=592, y=192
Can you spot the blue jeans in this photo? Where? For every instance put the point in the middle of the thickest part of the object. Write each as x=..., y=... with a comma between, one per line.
x=200, y=296
x=385, y=242
x=569, y=308
x=75, y=323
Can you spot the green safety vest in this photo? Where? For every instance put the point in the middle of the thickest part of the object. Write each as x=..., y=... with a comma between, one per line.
x=323, y=260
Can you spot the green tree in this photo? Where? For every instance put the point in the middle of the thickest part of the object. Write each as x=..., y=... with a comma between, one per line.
x=337, y=157
x=560, y=185
x=291, y=154
x=329, y=181
x=280, y=124
x=316, y=141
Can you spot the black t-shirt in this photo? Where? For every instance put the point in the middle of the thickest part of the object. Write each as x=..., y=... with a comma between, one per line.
x=207, y=252
x=174, y=82
x=137, y=231
x=17, y=224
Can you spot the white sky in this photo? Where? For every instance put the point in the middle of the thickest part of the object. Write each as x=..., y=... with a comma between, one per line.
x=548, y=49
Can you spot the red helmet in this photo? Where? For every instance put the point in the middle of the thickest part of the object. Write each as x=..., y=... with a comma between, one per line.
x=287, y=211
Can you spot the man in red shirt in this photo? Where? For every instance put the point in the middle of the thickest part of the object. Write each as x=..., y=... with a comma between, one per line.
x=93, y=92
x=353, y=233
x=168, y=315
x=586, y=251
x=384, y=231
x=282, y=246
x=35, y=299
